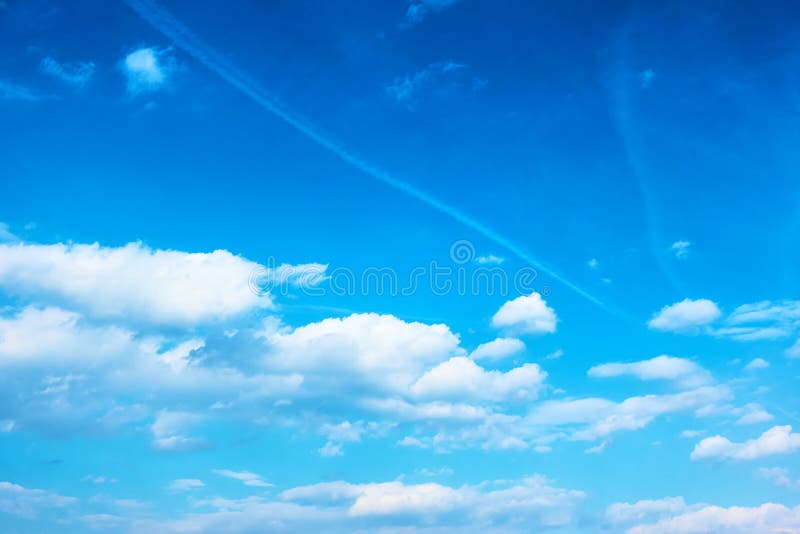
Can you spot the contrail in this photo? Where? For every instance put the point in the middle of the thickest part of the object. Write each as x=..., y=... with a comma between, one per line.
x=190, y=43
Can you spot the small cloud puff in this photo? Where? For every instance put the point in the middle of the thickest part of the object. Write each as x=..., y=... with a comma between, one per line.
x=148, y=69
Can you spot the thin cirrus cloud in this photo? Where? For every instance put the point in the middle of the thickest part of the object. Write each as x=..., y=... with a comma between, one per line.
x=148, y=69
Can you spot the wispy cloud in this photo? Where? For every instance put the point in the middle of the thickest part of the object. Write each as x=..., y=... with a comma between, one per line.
x=219, y=64
x=407, y=89
x=76, y=74
x=418, y=10
x=11, y=91
x=681, y=249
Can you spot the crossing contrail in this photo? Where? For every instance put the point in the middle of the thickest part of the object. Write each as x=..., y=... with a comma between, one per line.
x=193, y=45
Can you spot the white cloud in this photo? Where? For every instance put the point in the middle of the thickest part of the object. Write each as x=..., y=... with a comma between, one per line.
x=504, y=505
x=681, y=249
x=593, y=263
x=685, y=315
x=768, y=517
x=17, y=500
x=680, y=370
x=133, y=282
x=755, y=364
x=491, y=259
x=245, y=477
x=6, y=234
x=362, y=350
x=794, y=350
x=186, y=484
x=462, y=378
x=51, y=336
x=526, y=315
x=75, y=74
x=169, y=429
x=11, y=91
x=406, y=90
x=148, y=69
x=754, y=414
x=591, y=418
x=623, y=512
x=418, y=10
x=498, y=349
x=778, y=476
x=776, y=440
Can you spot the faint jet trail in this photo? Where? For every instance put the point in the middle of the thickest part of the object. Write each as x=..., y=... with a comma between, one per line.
x=190, y=43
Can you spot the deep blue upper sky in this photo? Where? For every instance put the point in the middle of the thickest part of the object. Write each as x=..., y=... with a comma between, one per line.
x=640, y=156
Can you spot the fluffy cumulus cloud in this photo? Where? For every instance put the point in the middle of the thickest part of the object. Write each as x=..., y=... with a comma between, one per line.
x=686, y=315
x=462, y=378
x=776, y=440
x=528, y=314
x=148, y=69
x=135, y=282
x=679, y=370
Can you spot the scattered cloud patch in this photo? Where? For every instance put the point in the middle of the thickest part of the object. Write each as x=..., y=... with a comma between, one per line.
x=593, y=264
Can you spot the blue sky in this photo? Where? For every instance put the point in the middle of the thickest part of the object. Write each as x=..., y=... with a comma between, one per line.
x=427, y=266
